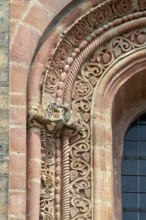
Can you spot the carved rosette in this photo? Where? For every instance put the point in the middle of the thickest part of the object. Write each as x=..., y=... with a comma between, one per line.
x=79, y=62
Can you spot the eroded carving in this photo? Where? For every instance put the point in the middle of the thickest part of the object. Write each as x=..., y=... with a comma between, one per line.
x=55, y=118
x=80, y=151
x=86, y=29
x=75, y=178
x=47, y=205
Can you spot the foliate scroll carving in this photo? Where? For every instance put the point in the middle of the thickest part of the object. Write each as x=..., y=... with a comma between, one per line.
x=76, y=154
x=142, y=4
x=107, y=54
x=80, y=187
x=47, y=177
x=53, y=120
x=81, y=33
x=80, y=151
x=80, y=160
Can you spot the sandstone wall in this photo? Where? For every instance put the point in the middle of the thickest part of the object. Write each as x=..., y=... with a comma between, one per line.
x=4, y=112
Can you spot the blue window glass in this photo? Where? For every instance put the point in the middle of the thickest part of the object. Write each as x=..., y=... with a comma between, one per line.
x=134, y=171
x=142, y=184
x=132, y=133
x=130, y=184
x=142, y=216
x=130, y=216
x=142, y=148
x=130, y=167
x=130, y=201
x=130, y=148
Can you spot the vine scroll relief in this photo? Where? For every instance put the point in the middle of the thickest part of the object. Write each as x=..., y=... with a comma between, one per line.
x=84, y=54
x=55, y=120
x=58, y=121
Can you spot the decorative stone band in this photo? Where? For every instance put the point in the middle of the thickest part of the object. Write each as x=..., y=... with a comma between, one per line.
x=94, y=43
x=54, y=120
x=81, y=34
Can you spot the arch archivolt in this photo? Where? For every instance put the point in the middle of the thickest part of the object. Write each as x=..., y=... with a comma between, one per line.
x=108, y=130
x=88, y=51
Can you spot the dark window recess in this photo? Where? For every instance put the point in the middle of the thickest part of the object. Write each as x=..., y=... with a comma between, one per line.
x=134, y=171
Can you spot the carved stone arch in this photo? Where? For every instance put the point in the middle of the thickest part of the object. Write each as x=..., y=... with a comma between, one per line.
x=95, y=44
x=113, y=110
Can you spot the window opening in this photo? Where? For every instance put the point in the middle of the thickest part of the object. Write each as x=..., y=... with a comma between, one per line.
x=134, y=171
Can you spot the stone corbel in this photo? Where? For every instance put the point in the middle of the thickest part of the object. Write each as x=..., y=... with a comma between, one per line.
x=55, y=119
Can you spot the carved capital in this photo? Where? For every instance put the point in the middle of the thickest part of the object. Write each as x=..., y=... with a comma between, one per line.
x=55, y=119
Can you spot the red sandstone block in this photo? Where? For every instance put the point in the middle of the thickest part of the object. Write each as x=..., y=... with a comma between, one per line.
x=34, y=167
x=17, y=203
x=18, y=133
x=35, y=82
x=109, y=212
x=17, y=10
x=55, y=5
x=17, y=163
x=48, y=47
x=96, y=160
x=18, y=99
x=16, y=218
x=18, y=145
x=40, y=21
x=34, y=143
x=17, y=182
x=20, y=1
x=68, y=20
x=18, y=76
x=13, y=25
x=17, y=115
x=34, y=198
x=93, y=3
x=24, y=45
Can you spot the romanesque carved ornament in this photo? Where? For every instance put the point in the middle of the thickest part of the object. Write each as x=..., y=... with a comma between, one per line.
x=55, y=119
x=88, y=49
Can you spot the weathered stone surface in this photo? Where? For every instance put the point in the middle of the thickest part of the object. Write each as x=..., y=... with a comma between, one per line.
x=3, y=196
x=3, y=148
x=17, y=10
x=4, y=114
x=22, y=52
x=40, y=21
x=4, y=58
x=3, y=166
x=25, y=38
x=4, y=97
x=3, y=38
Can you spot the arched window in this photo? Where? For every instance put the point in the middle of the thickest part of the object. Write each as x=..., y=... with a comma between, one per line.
x=134, y=171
